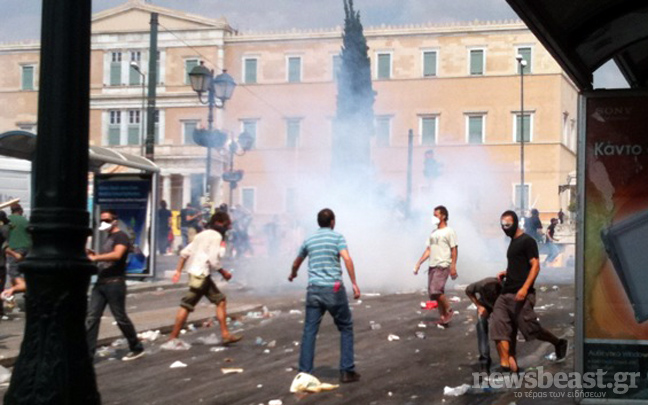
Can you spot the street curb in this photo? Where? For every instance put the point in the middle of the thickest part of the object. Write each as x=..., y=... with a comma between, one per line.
x=9, y=362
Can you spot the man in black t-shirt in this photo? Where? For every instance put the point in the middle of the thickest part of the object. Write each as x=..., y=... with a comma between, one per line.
x=189, y=218
x=164, y=227
x=513, y=309
x=110, y=288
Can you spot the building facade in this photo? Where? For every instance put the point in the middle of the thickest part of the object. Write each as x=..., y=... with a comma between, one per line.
x=456, y=86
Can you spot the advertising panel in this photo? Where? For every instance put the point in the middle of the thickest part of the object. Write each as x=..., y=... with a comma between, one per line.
x=615, y=243
x=131, y=197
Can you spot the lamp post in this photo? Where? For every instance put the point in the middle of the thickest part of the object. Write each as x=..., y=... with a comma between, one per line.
x=219, y=89
x=135, y=66
x=522, y=64
x=236, y=147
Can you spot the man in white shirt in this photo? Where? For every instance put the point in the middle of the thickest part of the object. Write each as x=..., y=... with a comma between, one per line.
x=442, y=251
x=201, y=257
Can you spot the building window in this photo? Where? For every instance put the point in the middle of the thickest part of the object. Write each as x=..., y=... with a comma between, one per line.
x=475, y=128
x=429, y=63
x=115, y=68
x=428, y=129
x=188, y=128
x=524, y=124
x=135, y=78
x=383, y=66
x=249, y=70
x=526, y=55
x=337, y=65
x=294, y=69
x=476, y=62
x=248, y=198
x=250, y=126
x=114, y=128
x=383, y=131
x=27, y=77
x=518, y=195
x=291, y=200
x=189, y=65
x=134, y=127
x=293, y=129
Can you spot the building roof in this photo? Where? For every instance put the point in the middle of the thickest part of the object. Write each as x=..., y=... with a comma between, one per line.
x=583, y=35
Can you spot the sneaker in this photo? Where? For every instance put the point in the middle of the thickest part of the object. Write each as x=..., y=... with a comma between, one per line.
x=175, y=344
x=133, y=355
x=349, y=376
x=561, y=349
x=232, y=339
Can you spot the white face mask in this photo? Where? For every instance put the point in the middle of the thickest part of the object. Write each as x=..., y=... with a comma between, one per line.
x=435, y=222
x=104, y=226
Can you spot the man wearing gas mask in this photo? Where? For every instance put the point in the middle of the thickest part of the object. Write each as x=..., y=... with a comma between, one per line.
x=110, y=287
x=513, y=309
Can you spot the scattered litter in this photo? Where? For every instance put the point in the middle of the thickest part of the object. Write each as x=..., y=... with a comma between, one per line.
x=371, y=294
x=295, y=312
x=392, y=337
x=417, y=351
x=368, y=306
x=555, y=288
x=210, y=322
x=420, y=335
x=374, y=325
x=105, y=351
x=177, y=364
x=456, y=312
x=159, y=289
x=218, y=349
x=231, y=370
x=440, y=326
x=119, y=342
x=191, y=327
x=209, y=340
x=183, y=331
x=289, y=369
x=422, y=325
x=5, y=375
x=265, y=312
x=275, y=402
x=295, y=343
x=472, y=307
x=544, y=307
x=551, y=357
x=429, y=305
x=175, y=344
x=543, y=288
x=289, y=350
x=255, y=315
x=237, y=324
x=272, y=343
x=358, y=302
x=304, y=382
x=266, y=351
x=149, y=335
x=259, y=341
x=455, y=299
x=259, y=385
x=571, y=314
x=389, y=394
x=456, y=391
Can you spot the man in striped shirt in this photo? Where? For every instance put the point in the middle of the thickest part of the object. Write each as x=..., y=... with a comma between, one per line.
x=326, y=293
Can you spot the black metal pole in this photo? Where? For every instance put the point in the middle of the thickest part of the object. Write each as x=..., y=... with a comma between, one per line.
x=211, y=102
x=152, y=86
x=54, y=366
x=522, y=193
x=410, y=152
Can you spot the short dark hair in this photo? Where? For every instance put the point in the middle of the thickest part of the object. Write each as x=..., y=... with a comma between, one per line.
x=511, y=214
x=112, y=213
x=325, y=217
x=220, y=217
x=15, y=207
x=443, y=210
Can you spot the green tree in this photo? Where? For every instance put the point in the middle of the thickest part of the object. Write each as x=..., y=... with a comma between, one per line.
x=354, y=119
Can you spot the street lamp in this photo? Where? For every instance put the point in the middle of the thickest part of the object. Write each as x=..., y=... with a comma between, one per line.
x=135, y=66
x=236, y=147
x=219, y=89
x=522, y=64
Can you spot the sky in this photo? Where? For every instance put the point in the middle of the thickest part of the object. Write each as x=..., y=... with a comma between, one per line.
x=20, y=20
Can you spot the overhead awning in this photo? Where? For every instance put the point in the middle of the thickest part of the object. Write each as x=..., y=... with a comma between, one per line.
x=584, y=34
x=22, y=145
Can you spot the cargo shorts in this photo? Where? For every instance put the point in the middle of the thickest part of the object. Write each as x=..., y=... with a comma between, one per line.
x=208, y=289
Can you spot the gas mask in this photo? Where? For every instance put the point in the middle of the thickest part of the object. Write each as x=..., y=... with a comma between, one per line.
x=509, y=227
x=106, y=225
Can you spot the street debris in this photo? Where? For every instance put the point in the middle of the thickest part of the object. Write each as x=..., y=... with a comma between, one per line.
x=191, y=327
x=209, y=340
x=544, y=307
x=555, y=288
x=440, y=326
x=231, y=370
x=259, y=385
x=427, y=305
x=455, y=299
x=177, y=364
x=149, y=335
x=259, y=341
x=275, y=402
x=374, y=325
x=422, y=325
x=543, y=288
x=472, y=307
x=218, y=349
x=105, y=351
x=420, y=335
x=5, y=375
x=456, y=391
x=551, y=357
x=371, y=294
x=119, y=342
x=304, y=382
x=289, y=350
x=295, y=312
x=393, y=337
x=175, y=344
x=272, y=343
x=266, y=351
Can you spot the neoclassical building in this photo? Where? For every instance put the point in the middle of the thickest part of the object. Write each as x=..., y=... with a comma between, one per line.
x=457, y=86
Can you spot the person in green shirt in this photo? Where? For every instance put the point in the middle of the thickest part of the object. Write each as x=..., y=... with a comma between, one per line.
x=18, y=245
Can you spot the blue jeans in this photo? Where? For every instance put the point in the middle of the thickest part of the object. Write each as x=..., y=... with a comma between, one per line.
x=553, y=252
x=318, y=301
x=482, y=341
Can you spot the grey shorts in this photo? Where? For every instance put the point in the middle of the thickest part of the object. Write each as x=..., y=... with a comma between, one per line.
x=509, y=316
x=437, y=277
x=12, y=265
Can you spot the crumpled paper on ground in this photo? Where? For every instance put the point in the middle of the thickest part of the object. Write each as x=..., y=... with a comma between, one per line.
x=304, y=382
x=5, y=375
x=456, y=391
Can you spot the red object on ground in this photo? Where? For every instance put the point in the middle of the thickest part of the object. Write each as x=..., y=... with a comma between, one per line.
x=431, y=305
